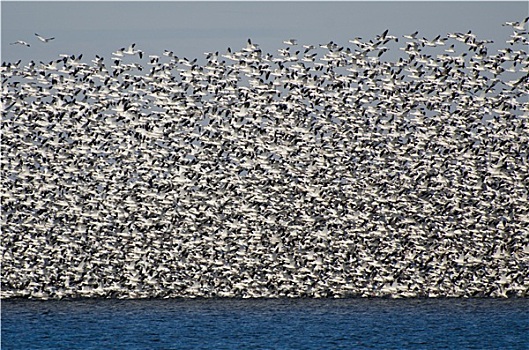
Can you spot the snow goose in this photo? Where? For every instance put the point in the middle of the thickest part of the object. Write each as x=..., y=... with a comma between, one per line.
x=43, y=39
x=20, y=42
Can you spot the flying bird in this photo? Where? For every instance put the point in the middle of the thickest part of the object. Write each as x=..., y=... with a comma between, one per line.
x=290, y=42
x=517, y=25
x=20, y=42
x=131, y=51
x=43, y=39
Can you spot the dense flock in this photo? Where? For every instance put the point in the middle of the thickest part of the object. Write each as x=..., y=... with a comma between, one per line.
x=391, y=166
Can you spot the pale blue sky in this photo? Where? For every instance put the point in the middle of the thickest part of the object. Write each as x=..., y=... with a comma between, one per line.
x=191, y=28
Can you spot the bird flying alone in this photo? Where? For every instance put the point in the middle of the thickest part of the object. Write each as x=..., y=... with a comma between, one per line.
x=43, y=39
x=290, y=42
x=20, y=42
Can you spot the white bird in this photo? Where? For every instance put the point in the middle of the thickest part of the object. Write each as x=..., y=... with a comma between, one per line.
x=130, y=51
x=43, y=39
x=290, y=42
x=411, y=36
x=20, y=42
x=517, y=25
x=450, y=49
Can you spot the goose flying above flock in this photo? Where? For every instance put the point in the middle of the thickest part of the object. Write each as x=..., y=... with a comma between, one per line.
x=394, y=166
x=43, y=39
x=20, y=42
x=129, y=51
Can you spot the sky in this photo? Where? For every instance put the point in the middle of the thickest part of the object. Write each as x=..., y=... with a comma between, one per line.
x=192, y=28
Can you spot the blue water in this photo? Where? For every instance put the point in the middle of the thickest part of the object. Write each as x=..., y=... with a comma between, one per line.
x=266, y=324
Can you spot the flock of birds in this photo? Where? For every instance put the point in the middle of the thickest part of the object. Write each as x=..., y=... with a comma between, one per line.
x=317, y=171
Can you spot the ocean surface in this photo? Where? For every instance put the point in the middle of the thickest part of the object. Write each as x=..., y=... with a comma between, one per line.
x=266, y=324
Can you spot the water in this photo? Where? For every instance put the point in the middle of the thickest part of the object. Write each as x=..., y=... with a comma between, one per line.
x=266, y=324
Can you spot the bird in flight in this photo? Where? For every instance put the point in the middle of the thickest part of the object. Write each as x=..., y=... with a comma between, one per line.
x=20, y=42
x=43, y=39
